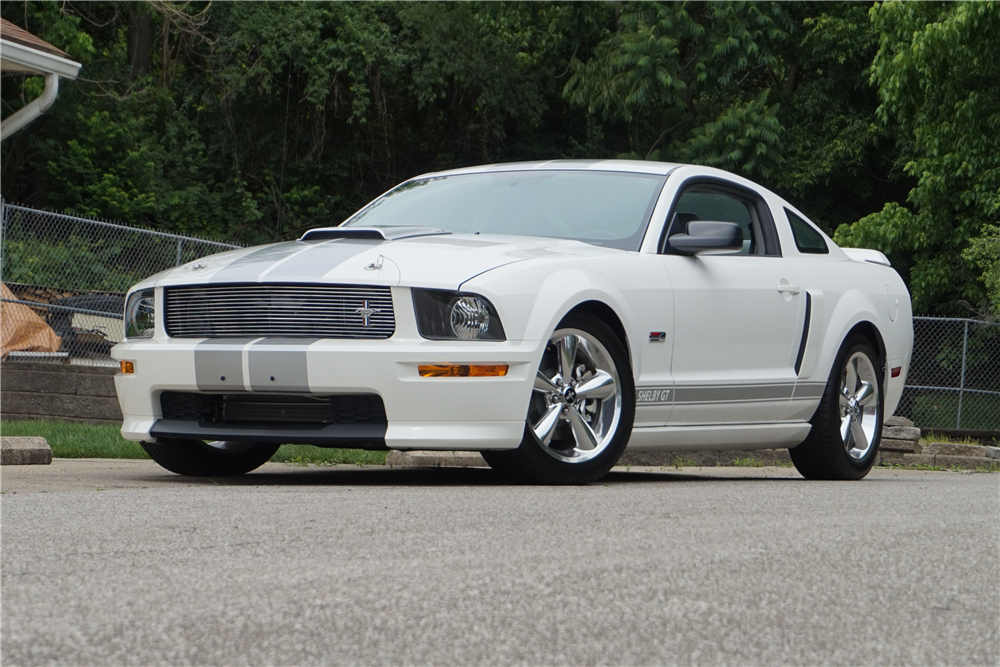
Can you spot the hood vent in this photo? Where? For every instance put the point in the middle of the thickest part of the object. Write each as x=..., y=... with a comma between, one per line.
x=370, y=233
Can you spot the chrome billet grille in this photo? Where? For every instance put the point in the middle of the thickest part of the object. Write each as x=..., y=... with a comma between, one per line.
x=301, y=311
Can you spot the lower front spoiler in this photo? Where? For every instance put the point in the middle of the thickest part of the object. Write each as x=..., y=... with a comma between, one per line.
x=346, y=436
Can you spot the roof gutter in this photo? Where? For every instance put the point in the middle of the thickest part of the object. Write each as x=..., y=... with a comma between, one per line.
x=33, y=109
x=16, y=58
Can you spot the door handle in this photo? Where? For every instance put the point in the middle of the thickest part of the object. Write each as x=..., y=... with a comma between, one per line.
x=788, y=288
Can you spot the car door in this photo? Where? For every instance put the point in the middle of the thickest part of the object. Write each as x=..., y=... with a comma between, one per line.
x=737, y=316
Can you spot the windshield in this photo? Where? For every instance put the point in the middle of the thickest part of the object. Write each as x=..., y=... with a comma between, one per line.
x=599, y=207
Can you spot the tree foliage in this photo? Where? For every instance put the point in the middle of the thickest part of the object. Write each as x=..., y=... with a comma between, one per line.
x=255, y=121
x=937, y=75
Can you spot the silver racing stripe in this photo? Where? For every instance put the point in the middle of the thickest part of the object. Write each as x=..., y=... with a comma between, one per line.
x=297, y=260
x=218, y=364
x=744, y=393
x=732, y=393
x=279, y=364
x=809, y=390
x=264, y=364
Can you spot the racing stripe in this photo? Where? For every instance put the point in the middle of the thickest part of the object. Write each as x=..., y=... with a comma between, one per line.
x=308, y=261
x=279, y=364
x=218, y=364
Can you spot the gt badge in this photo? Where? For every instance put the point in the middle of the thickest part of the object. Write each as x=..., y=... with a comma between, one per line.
x=652, y=395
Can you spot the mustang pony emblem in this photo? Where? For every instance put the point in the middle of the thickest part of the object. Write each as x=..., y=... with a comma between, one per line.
x=366, y=312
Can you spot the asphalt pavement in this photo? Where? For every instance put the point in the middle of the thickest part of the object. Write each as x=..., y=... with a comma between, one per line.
x=121, y=563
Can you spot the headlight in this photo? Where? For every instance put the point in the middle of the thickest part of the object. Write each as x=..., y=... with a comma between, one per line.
x=140, y=314
x=456, y=315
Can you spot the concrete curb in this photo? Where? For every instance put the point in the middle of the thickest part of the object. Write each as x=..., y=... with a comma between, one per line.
x=435, y=459
x=24, y=450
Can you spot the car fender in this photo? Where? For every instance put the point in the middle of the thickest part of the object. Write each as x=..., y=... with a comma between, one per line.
x=552, y=294
x=852, y=308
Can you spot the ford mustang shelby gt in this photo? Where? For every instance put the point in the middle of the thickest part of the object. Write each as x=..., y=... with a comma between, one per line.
x=549, y=315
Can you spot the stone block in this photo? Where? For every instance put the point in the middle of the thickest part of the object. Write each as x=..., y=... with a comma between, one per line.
x=892, y=457
x=24, y=450
x=435, y=459
x=948, y=449
x=992, y=452
x=48, y=406
x=918, y=459
x=906, y=446
x=967, y=462
x=897, y=421
x=901, y=432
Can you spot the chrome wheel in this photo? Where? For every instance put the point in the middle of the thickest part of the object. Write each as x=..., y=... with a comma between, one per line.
x=577, y=400
x=859, y=406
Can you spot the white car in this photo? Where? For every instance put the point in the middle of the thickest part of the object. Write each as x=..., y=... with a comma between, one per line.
x=550, y=315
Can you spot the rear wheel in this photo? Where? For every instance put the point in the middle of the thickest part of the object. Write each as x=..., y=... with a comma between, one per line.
x=581, y=410
x=847, y=426
x=209, y=459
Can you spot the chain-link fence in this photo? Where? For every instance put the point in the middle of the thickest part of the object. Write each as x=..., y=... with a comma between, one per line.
x=954, y=378
x=64, y=281
x=65, y=277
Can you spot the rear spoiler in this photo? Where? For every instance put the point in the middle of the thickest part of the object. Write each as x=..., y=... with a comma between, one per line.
x=866, y=255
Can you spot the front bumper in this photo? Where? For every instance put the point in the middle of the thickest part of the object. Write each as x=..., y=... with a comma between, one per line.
x=447, y=413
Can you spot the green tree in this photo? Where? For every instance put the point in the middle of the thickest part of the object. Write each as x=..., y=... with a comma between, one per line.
x=938, y=75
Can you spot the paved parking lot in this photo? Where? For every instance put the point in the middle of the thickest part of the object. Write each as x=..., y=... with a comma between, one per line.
x=346, y=565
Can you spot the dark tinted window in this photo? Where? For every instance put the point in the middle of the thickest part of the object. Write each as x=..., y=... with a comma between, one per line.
x=807, y=239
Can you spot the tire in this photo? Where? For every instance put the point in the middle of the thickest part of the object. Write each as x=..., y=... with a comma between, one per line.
x=847, y=426
x=570, y=438
x=201, y=459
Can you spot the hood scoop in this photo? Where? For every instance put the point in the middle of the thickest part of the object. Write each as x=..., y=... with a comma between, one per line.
x=370, y=233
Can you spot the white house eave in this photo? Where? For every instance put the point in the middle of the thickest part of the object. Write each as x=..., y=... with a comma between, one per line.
x=17, y=58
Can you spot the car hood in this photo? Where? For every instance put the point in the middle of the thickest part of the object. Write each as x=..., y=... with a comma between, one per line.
x=443, y=262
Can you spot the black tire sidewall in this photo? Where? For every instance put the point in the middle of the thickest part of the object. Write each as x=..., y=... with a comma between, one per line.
x=822, y=455
x=198, y=459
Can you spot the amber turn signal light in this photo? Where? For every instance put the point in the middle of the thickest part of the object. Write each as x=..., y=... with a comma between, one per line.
x=128, y=367
x=462, y=370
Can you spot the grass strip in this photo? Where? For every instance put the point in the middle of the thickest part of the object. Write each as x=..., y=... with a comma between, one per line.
x=104, y=441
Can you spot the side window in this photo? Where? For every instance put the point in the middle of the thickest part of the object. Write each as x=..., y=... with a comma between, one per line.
x=701, y=203
x=807, y=239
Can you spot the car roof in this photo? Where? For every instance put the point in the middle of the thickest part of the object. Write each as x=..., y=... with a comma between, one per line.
x=633, y=166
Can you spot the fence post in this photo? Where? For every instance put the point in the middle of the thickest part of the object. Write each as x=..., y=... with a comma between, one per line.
x=3, y=231
x=961, y=385
x=179, y=242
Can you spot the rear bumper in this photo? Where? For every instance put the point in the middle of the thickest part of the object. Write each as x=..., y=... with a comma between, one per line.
x=422, y=413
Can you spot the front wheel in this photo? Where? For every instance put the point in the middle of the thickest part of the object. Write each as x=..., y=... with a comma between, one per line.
x=847, y=426
x=209, y=459
x=581, y=410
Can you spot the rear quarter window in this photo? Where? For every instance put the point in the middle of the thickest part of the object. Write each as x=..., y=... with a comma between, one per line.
x=807, y=239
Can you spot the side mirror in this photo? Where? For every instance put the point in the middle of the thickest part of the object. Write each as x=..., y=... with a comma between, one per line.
x=707, y=235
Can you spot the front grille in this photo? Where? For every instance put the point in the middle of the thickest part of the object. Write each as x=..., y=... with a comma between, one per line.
x=273, y=409
x=301, y=311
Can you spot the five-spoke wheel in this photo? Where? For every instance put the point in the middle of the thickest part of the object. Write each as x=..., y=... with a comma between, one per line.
x=577, y=401
x=581, y=410
x=859, y=406
x=847, y=426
